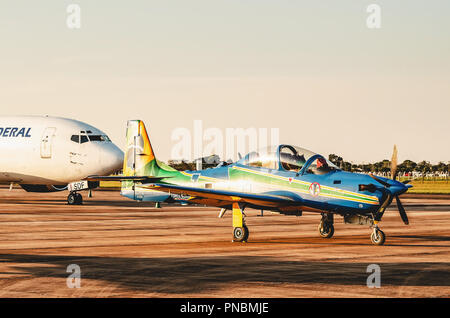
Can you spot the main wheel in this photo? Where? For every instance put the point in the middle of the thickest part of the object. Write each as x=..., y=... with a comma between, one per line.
x=247, y=233
x=240, y=234
x=326, y=229
x=378, y=237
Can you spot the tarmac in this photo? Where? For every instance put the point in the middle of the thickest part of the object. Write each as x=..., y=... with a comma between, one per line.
x=132, y=249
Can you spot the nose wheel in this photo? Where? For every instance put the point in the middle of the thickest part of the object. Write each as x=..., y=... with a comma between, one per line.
x=74, y=198
x=377, y=237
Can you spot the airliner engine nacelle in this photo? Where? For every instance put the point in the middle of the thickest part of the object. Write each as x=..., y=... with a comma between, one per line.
x=73, y=186
x=43, y=187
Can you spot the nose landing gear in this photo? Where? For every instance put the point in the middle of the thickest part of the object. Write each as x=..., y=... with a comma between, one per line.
x=74, y=198
x=377, y=237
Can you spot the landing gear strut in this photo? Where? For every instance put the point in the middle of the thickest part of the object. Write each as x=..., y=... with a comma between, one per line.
x=74, y=198
x=378, y=237
x=326, y=228
x=240, y=230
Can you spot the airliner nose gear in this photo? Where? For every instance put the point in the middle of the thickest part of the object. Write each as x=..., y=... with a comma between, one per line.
x=74, y=198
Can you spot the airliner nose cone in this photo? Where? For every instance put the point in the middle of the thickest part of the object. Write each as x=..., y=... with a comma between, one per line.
x=112, y=158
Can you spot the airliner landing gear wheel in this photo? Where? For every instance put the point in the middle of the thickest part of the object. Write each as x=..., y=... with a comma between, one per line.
x=378, y=237
x=79, y=199
x=71, y=198
x=326, y=229
x=240, y=234
x=74, y=198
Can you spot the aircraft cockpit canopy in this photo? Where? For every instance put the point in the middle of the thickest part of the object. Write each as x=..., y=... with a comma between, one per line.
x=288, y=158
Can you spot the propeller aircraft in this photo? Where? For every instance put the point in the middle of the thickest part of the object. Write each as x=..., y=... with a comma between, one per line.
x=286, y=179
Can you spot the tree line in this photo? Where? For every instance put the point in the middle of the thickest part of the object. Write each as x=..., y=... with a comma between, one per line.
x=384, y=167
x=407, y=166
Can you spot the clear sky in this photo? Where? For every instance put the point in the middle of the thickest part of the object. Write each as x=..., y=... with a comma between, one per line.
x=310, y=68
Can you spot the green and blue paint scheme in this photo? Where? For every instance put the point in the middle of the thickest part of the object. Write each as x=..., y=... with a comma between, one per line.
x=282, y=178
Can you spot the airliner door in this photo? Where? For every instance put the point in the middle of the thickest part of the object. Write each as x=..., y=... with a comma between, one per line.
x=47, y=141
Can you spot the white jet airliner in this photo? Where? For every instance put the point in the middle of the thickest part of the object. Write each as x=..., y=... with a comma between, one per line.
x=47, y=154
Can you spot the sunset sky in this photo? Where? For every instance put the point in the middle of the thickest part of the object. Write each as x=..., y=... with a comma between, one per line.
x=313, y=69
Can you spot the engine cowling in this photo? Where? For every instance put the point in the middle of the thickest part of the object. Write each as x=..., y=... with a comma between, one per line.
x=43, y=187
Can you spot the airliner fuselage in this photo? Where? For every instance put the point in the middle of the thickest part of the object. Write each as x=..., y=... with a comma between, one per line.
x=41, y=150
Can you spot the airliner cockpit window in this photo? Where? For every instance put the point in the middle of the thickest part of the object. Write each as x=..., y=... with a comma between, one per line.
x=98, y=138
x=83, y=139
x=76, y=138
x=87, y=138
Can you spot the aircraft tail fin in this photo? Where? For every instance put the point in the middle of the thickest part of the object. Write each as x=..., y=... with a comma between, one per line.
x=139, y=157
x=140, y=164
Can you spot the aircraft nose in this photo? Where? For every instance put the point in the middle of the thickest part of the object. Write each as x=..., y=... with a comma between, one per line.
x=112, y=158
x=398, y=187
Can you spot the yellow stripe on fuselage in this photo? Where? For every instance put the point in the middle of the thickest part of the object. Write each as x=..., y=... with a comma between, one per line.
x=362, y=198
x=360, y=195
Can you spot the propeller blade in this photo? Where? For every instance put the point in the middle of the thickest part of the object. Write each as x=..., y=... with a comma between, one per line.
x=401, y=210
x=387, y=185
x=394, y=163
x=406, y=181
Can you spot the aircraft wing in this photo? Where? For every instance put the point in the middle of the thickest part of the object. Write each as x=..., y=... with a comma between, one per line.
x=143, y=179
x=226, y=197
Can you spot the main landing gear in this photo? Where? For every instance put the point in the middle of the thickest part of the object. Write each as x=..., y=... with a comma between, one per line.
x=240, y=230
x=240, y=234
x=74, y=198
x=326, y=227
